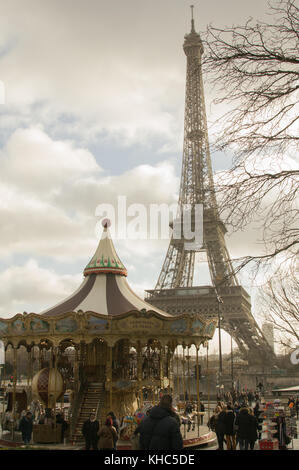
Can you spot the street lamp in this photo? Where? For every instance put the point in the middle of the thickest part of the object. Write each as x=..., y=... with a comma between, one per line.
x=232, y=362
x=219, y=301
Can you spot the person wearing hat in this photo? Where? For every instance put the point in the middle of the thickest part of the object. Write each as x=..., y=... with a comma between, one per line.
x=90, y=432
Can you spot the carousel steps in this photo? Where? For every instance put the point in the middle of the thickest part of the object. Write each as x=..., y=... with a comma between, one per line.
x=92, y=399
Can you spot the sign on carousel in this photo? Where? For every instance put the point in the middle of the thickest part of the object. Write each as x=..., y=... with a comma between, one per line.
x=137, y=324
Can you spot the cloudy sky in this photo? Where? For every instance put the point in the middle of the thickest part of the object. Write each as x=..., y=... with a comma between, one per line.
x=94, y=108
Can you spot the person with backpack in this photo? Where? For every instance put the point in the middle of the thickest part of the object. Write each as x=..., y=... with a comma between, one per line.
x=160, y=429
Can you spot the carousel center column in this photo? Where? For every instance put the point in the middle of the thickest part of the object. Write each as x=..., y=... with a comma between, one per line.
x=139, y=373
x=15, y=351
x=109, y=376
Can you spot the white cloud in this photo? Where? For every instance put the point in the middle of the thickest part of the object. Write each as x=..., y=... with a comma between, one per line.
x=49, y=191
x=32, y=161
x=118, y=67
x=32, y=288
x=81, y=68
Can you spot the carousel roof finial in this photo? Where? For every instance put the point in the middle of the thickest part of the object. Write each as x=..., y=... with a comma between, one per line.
x=105, y=260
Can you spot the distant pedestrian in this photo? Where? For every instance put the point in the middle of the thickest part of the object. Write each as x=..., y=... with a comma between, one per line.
x=60, y=420
x=26, y=427
x=220, y=427
x=90, y=432
x=115, y=424
x=297, y=407
x=160, y=430
x=202, y=410
x=107, y=436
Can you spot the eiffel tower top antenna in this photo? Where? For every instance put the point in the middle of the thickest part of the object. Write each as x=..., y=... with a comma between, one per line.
x=192, y=19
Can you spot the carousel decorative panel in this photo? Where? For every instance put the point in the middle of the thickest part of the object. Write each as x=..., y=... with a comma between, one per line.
x=66, y=325
x=39, y=326
x=97, y=324
x=179, y=326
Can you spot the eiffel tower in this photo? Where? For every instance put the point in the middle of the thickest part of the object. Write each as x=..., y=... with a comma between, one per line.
x=174, y=291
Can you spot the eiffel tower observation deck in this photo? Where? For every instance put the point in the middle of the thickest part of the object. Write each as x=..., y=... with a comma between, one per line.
x=174, y=291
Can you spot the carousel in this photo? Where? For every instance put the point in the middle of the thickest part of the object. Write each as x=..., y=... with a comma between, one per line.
x=105, y=346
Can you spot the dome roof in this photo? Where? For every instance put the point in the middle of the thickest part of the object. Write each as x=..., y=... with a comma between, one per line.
x=105, y=289
x=105, y=259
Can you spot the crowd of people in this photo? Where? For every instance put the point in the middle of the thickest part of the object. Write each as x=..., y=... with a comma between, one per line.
x=242, y=397
x=236, y=424
x=27, y=418
x=160, y=429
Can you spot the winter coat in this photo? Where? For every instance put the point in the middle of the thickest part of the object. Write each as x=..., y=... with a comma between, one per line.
x=26, y=426
x=220, y=426
x=90, y=429
x=160, y=430
x=229, y=420
x=247, y=426
x=108, y=436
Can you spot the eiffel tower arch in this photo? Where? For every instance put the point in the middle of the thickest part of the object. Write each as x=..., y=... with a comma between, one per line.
x=174, y=291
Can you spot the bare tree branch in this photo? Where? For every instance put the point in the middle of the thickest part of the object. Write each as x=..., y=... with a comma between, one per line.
x=255, y=70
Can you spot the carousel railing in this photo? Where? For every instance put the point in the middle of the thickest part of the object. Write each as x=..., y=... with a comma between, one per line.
x=101, y=403
x=76, y=408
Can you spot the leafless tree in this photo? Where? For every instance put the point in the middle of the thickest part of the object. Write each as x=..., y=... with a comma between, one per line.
x=255, y=70
x=279, y=304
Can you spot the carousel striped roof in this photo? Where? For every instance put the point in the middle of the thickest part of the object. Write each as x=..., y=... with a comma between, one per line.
x=105, y=289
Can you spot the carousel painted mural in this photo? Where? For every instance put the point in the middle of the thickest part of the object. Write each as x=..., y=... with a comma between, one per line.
x=104, y=345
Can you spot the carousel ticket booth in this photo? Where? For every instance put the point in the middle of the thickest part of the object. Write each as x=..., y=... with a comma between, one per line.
x=106, y=345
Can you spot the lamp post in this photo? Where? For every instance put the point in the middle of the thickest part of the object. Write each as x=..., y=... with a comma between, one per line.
x=219, y=301
x=232, y=362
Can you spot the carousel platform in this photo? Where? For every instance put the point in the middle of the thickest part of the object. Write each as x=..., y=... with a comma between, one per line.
x=191, y=440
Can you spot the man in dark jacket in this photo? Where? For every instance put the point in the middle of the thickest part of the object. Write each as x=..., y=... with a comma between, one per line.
x=230, y=434
x=247, y=426
x=60, y=420
x=90, y=432
x=26, y=426
x=160, y=430
x=220, y=427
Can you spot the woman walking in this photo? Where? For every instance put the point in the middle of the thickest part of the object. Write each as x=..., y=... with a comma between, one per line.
x=253, y=430
x=107, y=436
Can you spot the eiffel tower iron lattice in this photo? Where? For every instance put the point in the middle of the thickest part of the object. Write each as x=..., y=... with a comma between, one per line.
x=174, y=291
